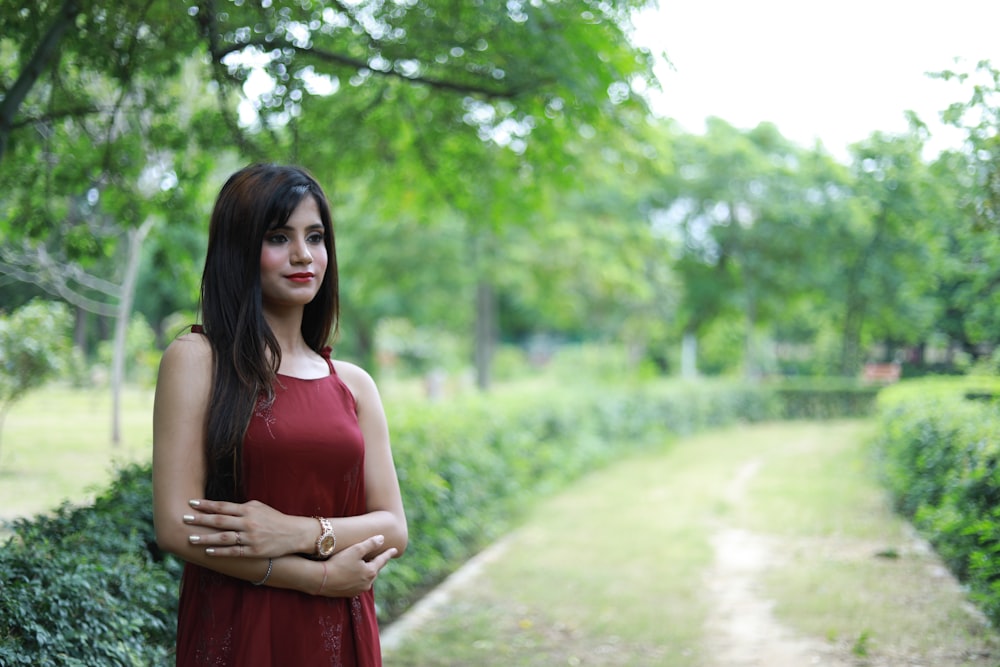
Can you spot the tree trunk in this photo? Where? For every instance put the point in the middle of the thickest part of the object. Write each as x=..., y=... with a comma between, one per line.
x=80, y=328
x=689, y=355
x=850, y=351
x=4, y=409
x=40, y=59
x=136, y=238
x=485, y=332
x=751, y=355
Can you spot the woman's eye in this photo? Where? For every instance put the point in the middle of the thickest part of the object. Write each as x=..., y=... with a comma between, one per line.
x=316, y=238
x=276, y=238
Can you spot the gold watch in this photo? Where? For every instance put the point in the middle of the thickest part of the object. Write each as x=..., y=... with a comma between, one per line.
x=327, y=540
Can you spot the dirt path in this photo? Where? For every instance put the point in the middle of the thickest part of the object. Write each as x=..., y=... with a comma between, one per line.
x=856, y=588
x=741, y=630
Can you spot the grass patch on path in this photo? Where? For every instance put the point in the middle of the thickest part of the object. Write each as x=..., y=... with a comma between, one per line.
x=613, y=571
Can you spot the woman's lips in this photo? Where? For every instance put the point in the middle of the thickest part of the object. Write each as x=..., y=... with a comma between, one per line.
x=300, y=277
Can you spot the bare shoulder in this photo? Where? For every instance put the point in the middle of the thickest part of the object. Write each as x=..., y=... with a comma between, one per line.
x=188, y=348
x=357, y=379
x=190, y=356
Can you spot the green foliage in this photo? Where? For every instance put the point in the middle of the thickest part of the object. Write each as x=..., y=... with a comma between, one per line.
x=862, y=644
x=468, y=469
x=87, y=586
x=825, y=398
x=141, y=353
x=939, y=454
x=34, y=344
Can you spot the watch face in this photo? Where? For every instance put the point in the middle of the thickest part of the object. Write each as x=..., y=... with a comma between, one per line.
x=326, y=545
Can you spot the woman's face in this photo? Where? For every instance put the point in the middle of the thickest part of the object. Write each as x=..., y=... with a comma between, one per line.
x=293, y=259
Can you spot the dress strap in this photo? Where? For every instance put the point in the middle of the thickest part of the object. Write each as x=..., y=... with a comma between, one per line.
x=325, y=352
x=197, y=328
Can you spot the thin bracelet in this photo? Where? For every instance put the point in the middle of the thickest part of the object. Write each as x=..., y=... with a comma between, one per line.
x=324, y=579
x=267, y=575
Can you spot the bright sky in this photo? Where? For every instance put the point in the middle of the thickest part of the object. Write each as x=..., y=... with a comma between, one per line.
x=833, y=71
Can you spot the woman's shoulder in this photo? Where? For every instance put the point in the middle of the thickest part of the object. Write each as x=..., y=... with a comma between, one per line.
x=357, y=379
x=184, y=381
x=351, y=371
x=189, y=351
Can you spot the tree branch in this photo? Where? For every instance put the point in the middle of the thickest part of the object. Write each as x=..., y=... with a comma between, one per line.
x=45, y=272
x=59, y=289
x=356, y=63
x=40, y=59
x=70, y=112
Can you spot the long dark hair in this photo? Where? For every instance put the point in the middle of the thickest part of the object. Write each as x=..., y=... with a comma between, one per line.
x=246, y=353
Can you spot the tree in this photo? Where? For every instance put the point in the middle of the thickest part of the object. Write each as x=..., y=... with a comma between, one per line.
x=337, y=86
x=969, y=288
x=33, y=348
x=979, y=119
x=886, y=249
x=742, y=215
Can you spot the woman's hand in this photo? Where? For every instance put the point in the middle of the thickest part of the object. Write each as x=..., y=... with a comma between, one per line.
x=353, y=570
x=250, y=529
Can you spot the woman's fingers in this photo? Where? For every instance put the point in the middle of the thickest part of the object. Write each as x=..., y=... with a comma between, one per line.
x=217, y=506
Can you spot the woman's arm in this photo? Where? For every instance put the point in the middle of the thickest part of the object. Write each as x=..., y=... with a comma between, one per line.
x=382, y=495
x=385, y=515
x=183, y=392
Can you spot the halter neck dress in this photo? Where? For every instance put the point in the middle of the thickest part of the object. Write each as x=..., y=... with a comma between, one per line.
x=303, y=455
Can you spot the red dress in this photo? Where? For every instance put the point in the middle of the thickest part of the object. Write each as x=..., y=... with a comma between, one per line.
x=303, y=455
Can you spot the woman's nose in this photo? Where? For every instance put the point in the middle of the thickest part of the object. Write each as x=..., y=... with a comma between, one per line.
x=301, y=254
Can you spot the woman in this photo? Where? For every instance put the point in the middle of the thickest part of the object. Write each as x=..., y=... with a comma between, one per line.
x=273, y=476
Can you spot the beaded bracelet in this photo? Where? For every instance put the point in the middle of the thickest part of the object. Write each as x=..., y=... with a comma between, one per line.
x=267, y=575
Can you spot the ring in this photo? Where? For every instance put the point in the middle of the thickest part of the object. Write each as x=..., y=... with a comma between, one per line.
x=241, y=551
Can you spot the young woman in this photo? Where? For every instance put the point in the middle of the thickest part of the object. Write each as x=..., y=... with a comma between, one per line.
x=273, y=476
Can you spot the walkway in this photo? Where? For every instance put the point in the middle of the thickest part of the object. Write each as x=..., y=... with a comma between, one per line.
x=763, y=546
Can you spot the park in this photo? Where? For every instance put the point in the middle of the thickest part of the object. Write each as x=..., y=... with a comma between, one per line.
x=656, y=397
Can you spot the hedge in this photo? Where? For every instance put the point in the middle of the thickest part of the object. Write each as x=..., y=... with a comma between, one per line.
x=87, y=585
x=825, y=398
x=939, y=449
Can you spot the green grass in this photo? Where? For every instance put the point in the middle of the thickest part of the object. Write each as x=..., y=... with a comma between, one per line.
x=56, y=446
x=853, y=570
x=613, y=571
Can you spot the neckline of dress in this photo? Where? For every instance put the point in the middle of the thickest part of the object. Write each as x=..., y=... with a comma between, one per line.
x=293, y=377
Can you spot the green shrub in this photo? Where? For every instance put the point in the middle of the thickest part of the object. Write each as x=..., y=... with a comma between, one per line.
x=468, y=467
x=939, y=453
x=825, y=398
x=88, y=586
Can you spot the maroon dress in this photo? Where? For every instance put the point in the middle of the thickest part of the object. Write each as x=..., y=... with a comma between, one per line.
x=303, y=455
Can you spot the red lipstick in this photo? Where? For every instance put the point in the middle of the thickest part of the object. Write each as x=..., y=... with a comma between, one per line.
x=300, y=277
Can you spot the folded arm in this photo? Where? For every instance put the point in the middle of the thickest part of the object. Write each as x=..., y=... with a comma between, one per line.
x=200, y=534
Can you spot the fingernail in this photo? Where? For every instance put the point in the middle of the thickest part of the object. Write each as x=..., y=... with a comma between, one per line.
x=210, y=552
x=194, y=539
x=194, y=503
x=188, y=518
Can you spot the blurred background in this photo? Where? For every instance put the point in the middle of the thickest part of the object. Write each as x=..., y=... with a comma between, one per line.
x=512, y=194
x=568, y=231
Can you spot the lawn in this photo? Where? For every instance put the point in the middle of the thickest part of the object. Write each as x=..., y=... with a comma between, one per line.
x=56, y=446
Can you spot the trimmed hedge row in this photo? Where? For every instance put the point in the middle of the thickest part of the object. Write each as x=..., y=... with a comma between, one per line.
x=88, y=585
x=468, y=468
x=825, y=398
x=939, y=456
